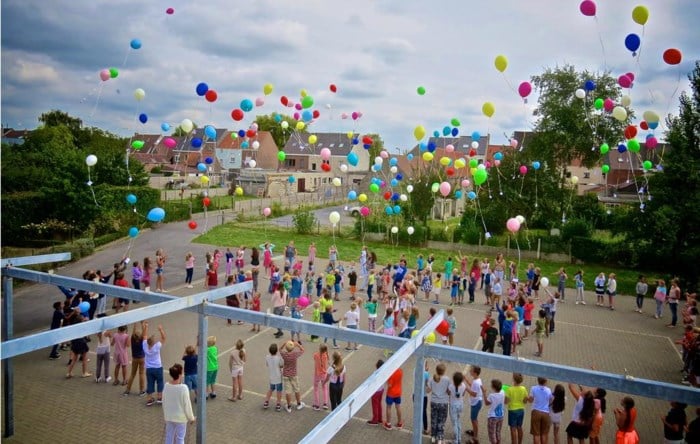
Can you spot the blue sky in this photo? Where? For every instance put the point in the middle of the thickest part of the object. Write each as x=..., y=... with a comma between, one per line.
x=376, y=52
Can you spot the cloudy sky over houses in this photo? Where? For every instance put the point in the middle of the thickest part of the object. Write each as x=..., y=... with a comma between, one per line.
x=377, y=53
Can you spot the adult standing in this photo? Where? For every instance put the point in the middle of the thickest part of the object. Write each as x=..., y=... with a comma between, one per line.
x=160, y=270
x=290, y=352
x=674, y=423
x=154, y=365
x=332, y=255
x=499, y=267
x=177, y=407
x=279, y=303
x=312, y=254
x=540, y=396
x=290, y=252
x=625, y=418
x=364, y=270
x=674, y=295
x=255, y=264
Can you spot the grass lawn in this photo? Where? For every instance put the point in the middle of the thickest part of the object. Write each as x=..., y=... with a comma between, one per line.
x=233, y=234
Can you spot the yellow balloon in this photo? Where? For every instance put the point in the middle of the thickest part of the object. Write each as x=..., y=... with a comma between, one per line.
x=337, y=182
x=488, y=109
x=651, y=116
x=444, y=161
x=204, y=180
x=574, y=180
x=640, y=14
x=472, y=170
x=427, y=156
x=304, y=92
x=362, y=197
x=313, y=139
x=300, y=126
x=415, y=332
x=350, y=135
x=460, y=163
x=501, y=63
x=419, y=132
x=430, y=338
x=267, y=89
x=239, y=191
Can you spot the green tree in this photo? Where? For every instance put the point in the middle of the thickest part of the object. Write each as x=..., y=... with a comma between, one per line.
x=665, y=234
x=376, y=147
x=422, y=199
x=280, y=135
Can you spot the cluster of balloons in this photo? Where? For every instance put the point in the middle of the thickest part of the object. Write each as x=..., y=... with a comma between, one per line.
x=109, y=73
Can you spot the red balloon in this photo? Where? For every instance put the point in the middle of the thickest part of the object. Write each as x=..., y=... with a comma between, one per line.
x=472, y=152
x=326, y=167
x=237, y=114
x=206, y=201
x=284, y=100
x=250, y=133
x=211, y=96
x=443, y=328
x=630, y=132
x=643, y=125
x=673, y=56
x=450, y=171
x=387, y=195
x=333, y=88
x=316, y=114
x=192, y=225
x=367, y=140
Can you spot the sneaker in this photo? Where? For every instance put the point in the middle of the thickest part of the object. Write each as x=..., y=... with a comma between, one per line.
x=387, y=426
x=142, y=394
x=109, y=379
x=576, y=302
x=300, y=406
x=125, y=393
x=370, y=422
x=288, y=408
x=315, y=408
x=54, y=357
x=87, y=375
x=150, y=402
x=656, y=316
x=98, y=380
x=278, y=408
x=325, y=406
x=266, y=404
x=399, y=425
x=159, y=401
x=336, y=347
x=583, y=302
x=190, y=286
x=212, y=395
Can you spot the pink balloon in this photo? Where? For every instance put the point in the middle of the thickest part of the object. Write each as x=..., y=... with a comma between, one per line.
x=513, y=143
x=303, y=302
x=259, y=101
x=384, y=154
x=169, y=142
x=608, y=104
x=382, y=184
x=513, y=225
x=445, y=189
x=296, y=116
x=465, y=183
x=254, y=126
x=354, y=115
x=170, y=11
x=344, y=116
x=105, y=75
x=497, y=162
x=326, y=154
x=587, y=8
x=450, y=149
x=267, y=211
x=298, y=107
x=524, y=89
x=364, y=211
x=652, y=143
x=630, y=75
x=624, y=81
x=523, y=170
x=488, y=164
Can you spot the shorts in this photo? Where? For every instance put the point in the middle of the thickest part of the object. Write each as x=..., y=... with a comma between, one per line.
x=527, y=322
x=191, y=381
x=539, y=423
x=236, y=371
x=276, y=387
x=353, y=289
x=159, y=270
x=577, y=430
x=211, y=376
x=539, y=337
x=516, y=417
x=154, y=380
x=291, y=384
x=393, y=400
x=474, y=411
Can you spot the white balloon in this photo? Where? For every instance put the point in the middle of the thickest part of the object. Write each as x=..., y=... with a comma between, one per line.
x=520, y=219
x=475, y=144
x=619, y=113
x=410, y=230
x=626, y=100
x=409, y=188
x=256, y=145
x=378, y=160
x=186, y=125
x=337, y=182
x=284, y=124
x=334, y=217
x=574, y=180
x=394, y=230
x=544, y=282
x=252, y=163
x=580, y=93
x=139, y=94
x=344, y=168
x=394, y=170
x=91, y=160
x=403, y=198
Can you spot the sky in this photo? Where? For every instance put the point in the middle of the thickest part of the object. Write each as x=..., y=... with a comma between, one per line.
x=377, y=53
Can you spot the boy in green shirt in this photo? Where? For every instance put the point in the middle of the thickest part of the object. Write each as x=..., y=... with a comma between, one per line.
x=212, y=366
x=541, y=331
x=371, y=307
x=316, y=317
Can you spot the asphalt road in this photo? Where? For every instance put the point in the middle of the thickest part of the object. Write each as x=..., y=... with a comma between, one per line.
x=346, y=219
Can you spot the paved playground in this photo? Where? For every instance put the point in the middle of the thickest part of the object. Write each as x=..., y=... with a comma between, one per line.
x=50, y=408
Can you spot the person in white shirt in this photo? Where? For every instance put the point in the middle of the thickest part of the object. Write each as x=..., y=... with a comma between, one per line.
x=438, y=387
x=474, y=390
x=274, y=364
x=177, y=407
x=540, y=422
x=495, y=401
x=352, y=320
x=496, y=292
x=457, y=391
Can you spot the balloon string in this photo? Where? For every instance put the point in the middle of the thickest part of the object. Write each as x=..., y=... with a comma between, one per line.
x=508, y=82
x=478, y=206
x=602, y=45
x=89, y=184
x=97, y=100
x=515, y=238
x=634, y=177
x=535, y=188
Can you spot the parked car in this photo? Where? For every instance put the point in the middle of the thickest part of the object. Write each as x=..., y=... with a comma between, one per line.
x=354, y=211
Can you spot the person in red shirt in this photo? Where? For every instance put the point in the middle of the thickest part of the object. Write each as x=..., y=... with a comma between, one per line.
x=255, y=306
x=393, y=397
x=119, y=281
x=527, y=316
x=212, y=277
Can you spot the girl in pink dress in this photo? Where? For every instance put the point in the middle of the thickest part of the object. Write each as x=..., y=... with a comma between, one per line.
x=121, y=343
x=267, y=257
x=239, y=258
x=312, y=253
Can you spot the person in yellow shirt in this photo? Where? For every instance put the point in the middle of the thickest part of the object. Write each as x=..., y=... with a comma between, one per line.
x=516, y=397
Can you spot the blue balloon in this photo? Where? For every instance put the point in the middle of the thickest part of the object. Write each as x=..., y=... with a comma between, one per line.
x=446, y=131
x=498, y=156
x=143, y=118
x=476, y=136
x=156, y=214
x=589, y=85
x=621, y=148
x=202, y=89
x=196, y=142
x=397, y=209
x=422, y=147
x=355, y=140
x=292, y=179
x=471, y=195
x=245, y=145
x=431, y=147
x=410, y=156
x=436, y=133
x=307, y=116
x=455, y=131
x=210, y=132
x=278, y=118
x=399, y=176
x=393, y=161
x=208, y=160
x=352, y=195
x=395, y=197
x=353, y=159
x=165, y=126
x=536, y=165
x=376, y=167
x=84, y=307
x=458, y=194
x=131, y=199
x=633, y=42
x=201, y=167
x=389, y=211
x=653, y=125
x=133, y=232
x=241, y=133
x=366, y=146
x=135, y=44
x=246, y=105
x=394, y=183
x=649, y=135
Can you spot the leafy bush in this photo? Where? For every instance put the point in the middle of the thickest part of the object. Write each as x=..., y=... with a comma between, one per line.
x=576, y=228
x=107, y=238
x=277, y=210
x=599, y=251
x=304, y=221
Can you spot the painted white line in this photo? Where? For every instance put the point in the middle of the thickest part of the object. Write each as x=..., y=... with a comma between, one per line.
x=673, y=346
x=616, y=330
x=228, y=350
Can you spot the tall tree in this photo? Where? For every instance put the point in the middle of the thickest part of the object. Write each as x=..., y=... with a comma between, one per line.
x=273, y=124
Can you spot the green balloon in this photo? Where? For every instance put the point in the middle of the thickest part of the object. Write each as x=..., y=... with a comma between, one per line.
x=480, y=177
x=647, y=165
x=281, y=155
x=113, y=73
x=307, y=102
x=598, y=103
x=420, y=90
x=374, y=188
x=435, y=187
x=137, y=144
x=455, y=121
x=604, y=148
x=633, y=145
x=605, y=169
x=473, y=163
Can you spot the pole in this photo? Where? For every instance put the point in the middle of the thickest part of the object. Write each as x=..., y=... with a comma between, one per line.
x=201, y=410
x=418, y=395
x=7, y=368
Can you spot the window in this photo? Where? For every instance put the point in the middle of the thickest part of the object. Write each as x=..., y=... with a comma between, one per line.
x=332, y=145
x=291, y=162
x=340, y=145
x=177, y=158
x=232, y=159
x=313, y=167
x=587, y=175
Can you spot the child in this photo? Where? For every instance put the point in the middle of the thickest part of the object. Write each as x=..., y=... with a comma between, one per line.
x=235, y=366
x=463, y=285
x=641, y=289
x=377, y=401
x=255, y=306
x=496, y=292
x=212, y=280
x=320, y=384
x=578, y=282
x=371, y=280
x=189, y=271
x=335, y=378
x=232, y=300
x=121, y=344
x=438, y=387
x=457, y=391
x=413, y=320
x=494, y=401
x=309, y=285
x=136, y=275
x=393, y=397
x=516, y=395
x=611, y=290
x=388, y=325
x=104, y=341
x=599, y=289
x=327, y=318
x=316, y=317
x=556, y=408
x=352, y=321
x=352, y=280
x=490, y=336
x=190, y=360
x=527, y=314
x=274, y=364
x=319, y=285
x=454, y=288
x=426, y=284
x=212, y=364
x=437, y=286
x=474, y=388
x=540, y=332
x=452, y=321
x=296, y=313
x=472, y=286
x=119, y=281
x=371, y=307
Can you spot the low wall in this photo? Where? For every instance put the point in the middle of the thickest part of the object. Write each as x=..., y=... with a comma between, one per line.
x=493, y=251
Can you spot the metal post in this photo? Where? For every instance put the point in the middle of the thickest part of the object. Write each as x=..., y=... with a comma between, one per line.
x=201, y=410
x=7, y=369
x=418, y=395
